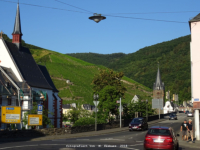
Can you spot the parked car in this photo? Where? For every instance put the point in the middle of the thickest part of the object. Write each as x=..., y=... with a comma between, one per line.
x=190, y=114
x=173, y=117
x=138, y=124
x=186, y=112
x=159, y=137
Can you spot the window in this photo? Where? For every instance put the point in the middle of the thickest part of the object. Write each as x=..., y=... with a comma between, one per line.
x=159, y=132
x=136, y=120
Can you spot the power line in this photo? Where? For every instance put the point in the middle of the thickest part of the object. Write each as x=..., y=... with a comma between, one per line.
x=73, y=6
x=90, y=13
x=156, y=12
x=46, y=7
x=144, y=19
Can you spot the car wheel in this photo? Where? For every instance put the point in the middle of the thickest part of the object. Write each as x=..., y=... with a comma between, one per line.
x=169, y=118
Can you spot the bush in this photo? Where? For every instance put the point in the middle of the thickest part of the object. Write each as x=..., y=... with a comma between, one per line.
x=84, y=121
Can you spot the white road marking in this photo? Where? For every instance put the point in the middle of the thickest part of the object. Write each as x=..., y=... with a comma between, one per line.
x=17, y=146
x=113, y=139
x=52, y=144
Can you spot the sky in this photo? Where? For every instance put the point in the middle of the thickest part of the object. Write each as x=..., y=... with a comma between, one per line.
x=67, y=29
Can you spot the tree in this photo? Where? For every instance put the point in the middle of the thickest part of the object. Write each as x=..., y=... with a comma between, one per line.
x=140, y=106
x=45, y=118
x=110, y=88
x=76, y=113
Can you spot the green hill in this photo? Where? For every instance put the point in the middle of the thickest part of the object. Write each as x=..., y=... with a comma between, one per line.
x=141, y=66
x=64, y=67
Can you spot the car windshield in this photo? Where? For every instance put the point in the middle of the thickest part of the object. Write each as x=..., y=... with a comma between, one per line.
x=136, y=121
x=159, y=132
x=172, y=115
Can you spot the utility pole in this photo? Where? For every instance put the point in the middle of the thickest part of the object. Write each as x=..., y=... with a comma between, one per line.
x=120, y=111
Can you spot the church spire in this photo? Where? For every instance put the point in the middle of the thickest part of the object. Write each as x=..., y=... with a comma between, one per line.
x=17, y=33
x=158, y=78
x=158, y=85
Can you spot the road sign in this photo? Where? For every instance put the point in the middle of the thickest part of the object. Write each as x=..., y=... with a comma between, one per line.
x=196, y=99
x=39, y=113
x=118, y=101
x=157, y=103
x=40, y=108
x=10, y=114
x=96, y=103
x=35, y=120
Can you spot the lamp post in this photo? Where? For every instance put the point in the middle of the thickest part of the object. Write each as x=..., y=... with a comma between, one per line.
x=96, y=97
x=97, y=17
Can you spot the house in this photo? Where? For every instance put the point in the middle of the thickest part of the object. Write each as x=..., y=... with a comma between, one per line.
x=23, y=82
x=169, y=107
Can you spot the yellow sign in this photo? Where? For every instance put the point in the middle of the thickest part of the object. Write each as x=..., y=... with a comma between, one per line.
x=10, y=114
x=34, y=120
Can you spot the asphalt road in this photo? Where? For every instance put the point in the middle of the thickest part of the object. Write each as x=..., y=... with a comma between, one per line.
x=120, y=140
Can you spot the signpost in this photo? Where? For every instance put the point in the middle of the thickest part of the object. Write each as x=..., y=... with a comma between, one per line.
x=11, y=114
x=35, y=120
x=40, y=109
x=158, y=104
x=96, y=104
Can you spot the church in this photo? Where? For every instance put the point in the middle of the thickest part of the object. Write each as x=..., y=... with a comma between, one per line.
x=23, y=82
x=159, y=89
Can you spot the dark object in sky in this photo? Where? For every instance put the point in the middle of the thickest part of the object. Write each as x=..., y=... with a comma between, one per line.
x=97, y=17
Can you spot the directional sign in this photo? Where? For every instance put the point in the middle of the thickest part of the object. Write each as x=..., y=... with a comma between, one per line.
x=10, y=114
x=96, y=103
x=34, y=120
x=157, y=103
x=40, y=108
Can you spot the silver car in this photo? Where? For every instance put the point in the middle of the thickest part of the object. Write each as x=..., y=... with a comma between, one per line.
x=190, y=114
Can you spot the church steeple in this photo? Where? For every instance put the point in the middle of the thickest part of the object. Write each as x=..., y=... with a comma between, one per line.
x=17, y=33
x=158, y=85
x=158, y=78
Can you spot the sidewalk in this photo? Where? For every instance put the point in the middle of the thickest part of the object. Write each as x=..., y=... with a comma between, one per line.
x=77, y=135
x=188, y=144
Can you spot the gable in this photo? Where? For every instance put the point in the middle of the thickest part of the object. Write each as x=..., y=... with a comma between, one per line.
x=7, y=61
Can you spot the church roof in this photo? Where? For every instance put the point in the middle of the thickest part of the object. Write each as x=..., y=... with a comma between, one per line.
x=158, y=78
x=17, y=27
x=28, y=67
x=47, y=76
x=158, y=84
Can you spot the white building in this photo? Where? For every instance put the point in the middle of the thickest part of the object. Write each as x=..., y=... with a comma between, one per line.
x=195, y=69
x=169, y=107
x=23, y=82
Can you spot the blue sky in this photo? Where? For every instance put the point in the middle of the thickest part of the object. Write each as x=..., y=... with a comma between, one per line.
x=72, y=32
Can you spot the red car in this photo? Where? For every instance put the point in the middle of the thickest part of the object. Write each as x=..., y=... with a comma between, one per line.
x=159, y=137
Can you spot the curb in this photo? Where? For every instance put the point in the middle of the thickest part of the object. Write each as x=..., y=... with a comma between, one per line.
x=75, y=135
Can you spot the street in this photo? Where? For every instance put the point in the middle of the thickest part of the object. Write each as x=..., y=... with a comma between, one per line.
x=120, y=140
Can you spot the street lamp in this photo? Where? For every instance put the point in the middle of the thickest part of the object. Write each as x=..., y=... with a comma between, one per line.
x=97, y=17
x=96, y=97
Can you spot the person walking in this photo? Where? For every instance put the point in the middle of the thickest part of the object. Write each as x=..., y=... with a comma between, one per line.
x=184, y=130
x=190, y=130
